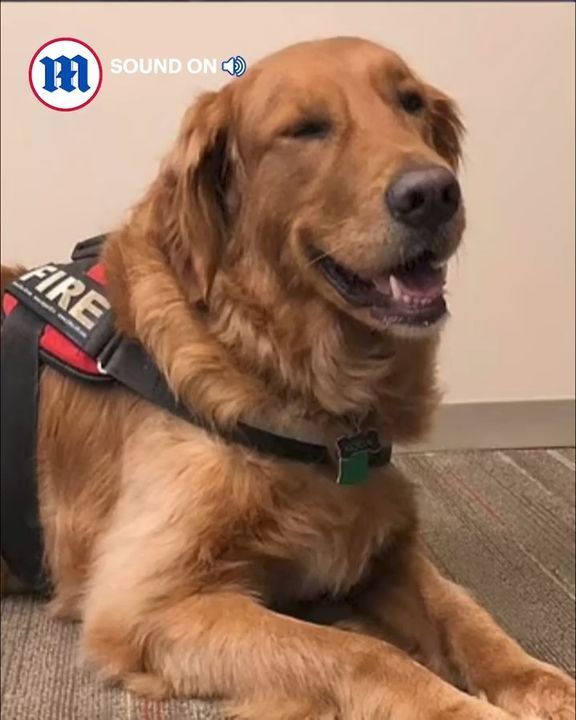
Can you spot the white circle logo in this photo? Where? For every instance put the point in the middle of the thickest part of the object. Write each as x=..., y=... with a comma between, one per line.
x=65, y=74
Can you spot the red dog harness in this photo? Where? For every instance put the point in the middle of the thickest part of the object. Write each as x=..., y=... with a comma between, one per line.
x=55, y=346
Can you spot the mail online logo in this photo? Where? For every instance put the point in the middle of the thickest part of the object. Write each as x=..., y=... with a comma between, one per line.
x=65, y=74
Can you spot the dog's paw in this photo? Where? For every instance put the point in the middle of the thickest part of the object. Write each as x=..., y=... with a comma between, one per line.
x=538, y=692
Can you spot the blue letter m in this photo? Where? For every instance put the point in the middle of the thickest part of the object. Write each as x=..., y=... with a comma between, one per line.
x=66, y=73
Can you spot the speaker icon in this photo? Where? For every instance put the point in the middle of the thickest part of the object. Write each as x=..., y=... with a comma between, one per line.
x=236, y=65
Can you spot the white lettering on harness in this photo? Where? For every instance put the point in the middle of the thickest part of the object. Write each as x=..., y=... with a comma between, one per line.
x=70, y=294
x=40, y=272
x=69, y=288
x=50, y=280
x=94, y=303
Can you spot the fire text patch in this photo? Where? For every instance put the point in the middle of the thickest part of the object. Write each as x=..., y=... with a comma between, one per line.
x=70, y=301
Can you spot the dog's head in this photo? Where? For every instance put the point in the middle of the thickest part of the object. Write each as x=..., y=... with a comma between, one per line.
x=332, y=167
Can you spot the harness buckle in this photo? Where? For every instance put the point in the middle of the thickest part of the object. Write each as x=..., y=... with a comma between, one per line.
x=106, y=353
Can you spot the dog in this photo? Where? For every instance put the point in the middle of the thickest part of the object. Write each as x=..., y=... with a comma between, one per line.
x=286, y=269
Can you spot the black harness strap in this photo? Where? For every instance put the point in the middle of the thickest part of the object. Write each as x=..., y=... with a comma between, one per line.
x=22, y=544
x=127, y=363
x=88, y=249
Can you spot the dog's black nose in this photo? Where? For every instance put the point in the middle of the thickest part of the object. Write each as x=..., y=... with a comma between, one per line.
x=424, y=198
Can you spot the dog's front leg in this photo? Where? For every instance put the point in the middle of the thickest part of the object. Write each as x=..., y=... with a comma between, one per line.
x=269, y=666
x=452, y=632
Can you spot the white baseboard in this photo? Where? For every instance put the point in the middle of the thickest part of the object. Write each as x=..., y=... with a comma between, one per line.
x=500, y=425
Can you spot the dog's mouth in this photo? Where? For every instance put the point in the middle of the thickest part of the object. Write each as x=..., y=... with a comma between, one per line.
x=410, y=294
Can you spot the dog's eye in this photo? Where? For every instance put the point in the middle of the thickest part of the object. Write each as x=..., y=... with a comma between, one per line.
x=309, y=130
x=412, y=102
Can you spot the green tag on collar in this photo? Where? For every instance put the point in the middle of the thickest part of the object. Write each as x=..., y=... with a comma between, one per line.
x=354, y=457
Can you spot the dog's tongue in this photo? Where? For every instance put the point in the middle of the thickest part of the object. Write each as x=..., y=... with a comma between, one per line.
x=420, y=281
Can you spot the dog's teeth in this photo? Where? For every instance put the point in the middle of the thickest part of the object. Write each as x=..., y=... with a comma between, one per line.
x=395, y=286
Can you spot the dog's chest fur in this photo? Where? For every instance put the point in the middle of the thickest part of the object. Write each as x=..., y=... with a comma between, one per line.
x=185, y=507
x=286, y=530
x=322, y=537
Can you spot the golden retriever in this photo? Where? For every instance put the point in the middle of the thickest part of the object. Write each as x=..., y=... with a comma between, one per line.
x=286, y=268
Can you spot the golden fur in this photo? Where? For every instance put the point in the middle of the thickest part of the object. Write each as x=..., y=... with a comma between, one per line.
x=176, y=551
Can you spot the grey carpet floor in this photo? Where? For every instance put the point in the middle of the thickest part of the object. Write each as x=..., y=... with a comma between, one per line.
x=501, y=523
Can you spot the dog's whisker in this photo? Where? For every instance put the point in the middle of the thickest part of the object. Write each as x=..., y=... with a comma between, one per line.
x=326, y=254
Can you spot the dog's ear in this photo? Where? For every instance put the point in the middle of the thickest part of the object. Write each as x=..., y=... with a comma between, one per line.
x=446, y=127
x=197, y=179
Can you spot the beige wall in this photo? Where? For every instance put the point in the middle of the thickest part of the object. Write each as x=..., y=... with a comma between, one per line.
x=68, y=175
